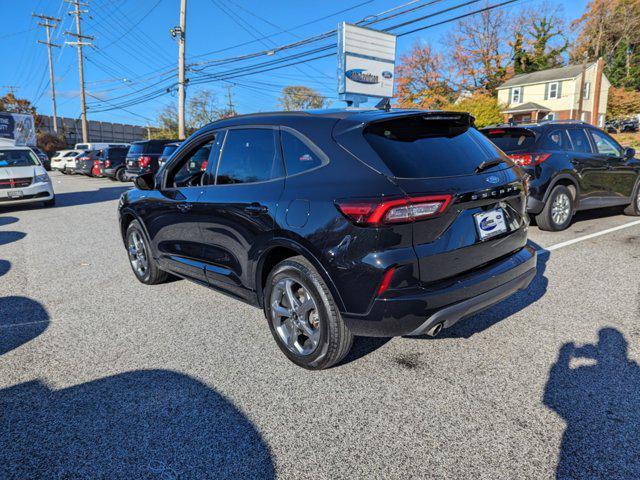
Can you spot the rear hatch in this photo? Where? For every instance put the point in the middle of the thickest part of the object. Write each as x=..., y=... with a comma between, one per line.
x=135, y=151
x=441, y=155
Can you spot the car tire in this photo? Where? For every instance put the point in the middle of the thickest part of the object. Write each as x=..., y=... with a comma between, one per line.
x=120, y=175
x=320, y=337
x=634, y=208
x=558, y=210
x=142, y=263
x=50, y=203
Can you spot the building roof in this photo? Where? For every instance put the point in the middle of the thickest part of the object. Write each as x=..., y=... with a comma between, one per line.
x=570, y=71
x=526, y=107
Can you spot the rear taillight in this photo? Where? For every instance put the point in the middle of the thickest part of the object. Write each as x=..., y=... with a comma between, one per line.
x=204, y=166
x=144, y=161
x=107, y=163
x=399, y=210
x=529, y=159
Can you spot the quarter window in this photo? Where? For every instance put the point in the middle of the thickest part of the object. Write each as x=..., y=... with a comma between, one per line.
x=604, y=144
x=249, y=155
x=579, y=140
x=554, y=140
x=298, y=156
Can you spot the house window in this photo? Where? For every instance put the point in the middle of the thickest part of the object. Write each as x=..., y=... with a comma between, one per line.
x=587, y=91
x=553, y=90
x=516, y=95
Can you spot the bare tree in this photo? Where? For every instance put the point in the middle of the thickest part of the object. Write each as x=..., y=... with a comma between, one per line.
x=298, y=97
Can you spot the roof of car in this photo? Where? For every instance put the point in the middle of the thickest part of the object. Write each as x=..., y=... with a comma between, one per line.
x=15, y=147
x=545, y=123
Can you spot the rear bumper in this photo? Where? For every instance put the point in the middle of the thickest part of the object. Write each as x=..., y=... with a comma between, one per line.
x=414, y=311
x=109, y=172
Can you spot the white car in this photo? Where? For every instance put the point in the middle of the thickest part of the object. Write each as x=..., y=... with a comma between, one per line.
x=60, y=159
x=23, y=179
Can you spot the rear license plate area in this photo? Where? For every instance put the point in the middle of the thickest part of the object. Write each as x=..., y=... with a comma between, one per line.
x=490, y=223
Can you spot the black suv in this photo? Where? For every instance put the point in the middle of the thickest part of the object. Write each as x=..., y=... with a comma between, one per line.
x=337, y=223
x=572, y=166
x=142, y=157
x=112, y=161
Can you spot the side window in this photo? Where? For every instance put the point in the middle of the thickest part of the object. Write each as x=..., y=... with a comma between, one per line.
x=579, y=140
x=554, y=140
x=249, y=155
x=298, y=156
x=605, y=145
x=188, y=171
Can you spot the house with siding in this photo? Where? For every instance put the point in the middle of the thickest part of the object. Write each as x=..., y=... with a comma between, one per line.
x=554, y=94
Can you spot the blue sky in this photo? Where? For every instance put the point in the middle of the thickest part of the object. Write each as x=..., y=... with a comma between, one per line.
x=134, y=48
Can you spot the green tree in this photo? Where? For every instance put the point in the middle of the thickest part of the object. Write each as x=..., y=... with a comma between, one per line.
x=484, y=107
x=298, y=97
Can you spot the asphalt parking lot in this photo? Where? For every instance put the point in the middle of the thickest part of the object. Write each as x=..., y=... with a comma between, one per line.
x=103, y=377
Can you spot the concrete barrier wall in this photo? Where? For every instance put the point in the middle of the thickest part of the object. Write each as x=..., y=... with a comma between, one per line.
x=98, y=131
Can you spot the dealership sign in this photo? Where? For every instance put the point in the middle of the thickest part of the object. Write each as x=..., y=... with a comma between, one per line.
x=366, y=60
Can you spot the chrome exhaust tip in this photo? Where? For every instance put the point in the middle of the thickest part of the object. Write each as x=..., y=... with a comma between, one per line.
x=435, y=330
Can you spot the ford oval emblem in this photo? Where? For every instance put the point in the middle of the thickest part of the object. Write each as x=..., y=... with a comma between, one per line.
x=492, y=179
x=387, y=74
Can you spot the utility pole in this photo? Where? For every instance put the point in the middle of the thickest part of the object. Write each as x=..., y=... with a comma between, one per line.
x=48, y=23
x=79, y=43
x=230, y=105
x=180, y=33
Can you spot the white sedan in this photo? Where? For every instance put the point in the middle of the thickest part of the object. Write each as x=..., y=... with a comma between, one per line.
x=60, y=159
x=23, y=179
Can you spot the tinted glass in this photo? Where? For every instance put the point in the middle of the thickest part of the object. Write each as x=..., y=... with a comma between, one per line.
x=554, y=140
x=579, y=140
x=168, y=150
x=249, y=155
x=17, y=158
x=511, y=140
x=298, y=156
x=154, y=147
x=415, y=147
x=136, y=149
x=605, y=145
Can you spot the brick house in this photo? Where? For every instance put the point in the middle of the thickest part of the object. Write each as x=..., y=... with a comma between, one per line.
x=554, y=94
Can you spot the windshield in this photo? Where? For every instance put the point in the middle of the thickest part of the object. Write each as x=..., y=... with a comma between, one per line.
x=17, y=158
x=420, y=147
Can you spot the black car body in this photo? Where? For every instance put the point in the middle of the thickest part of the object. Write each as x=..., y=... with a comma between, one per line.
x=629, y=125
x=570, y=161
x=112, y=162
x=143, y=156
x=411, y=220
x=85, y=162
x=43, y=157
x=168, y=150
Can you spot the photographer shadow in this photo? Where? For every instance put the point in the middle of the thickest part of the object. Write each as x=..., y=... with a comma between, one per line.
x=600, y=403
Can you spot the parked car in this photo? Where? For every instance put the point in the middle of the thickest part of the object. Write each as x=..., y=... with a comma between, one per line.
x=99, y=146
x=571, y=166
x=44, y=159
x=85, y=162
x=167, y=152
x=629, y=125
x=23, y=178
x=611, y=126
x=338, y=223
x=143, y=157
x=112, y=163
x=60, y=159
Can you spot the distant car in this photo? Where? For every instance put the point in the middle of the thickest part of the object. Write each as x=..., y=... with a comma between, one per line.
x=85, y=162
x=44, y=159
x=611, y=127
x=23, y=178
x=99, y=146
x=166, y=153
x=629, y=125
x=60, y=159
x=112, y=163
x=142, y=157
x=571, y=166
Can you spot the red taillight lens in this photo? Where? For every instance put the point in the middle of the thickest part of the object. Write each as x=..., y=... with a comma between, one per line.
x=400, y=210
x=386, y=281
x=107, y=163
x=529, y=159
x=144, y=162
x=204, y=166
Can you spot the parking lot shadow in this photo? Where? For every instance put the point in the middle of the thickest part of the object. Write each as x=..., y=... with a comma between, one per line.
x=6, y=220
x=21, y=320
x=142, y=424
x=600, y=403
x=105, y=194
x=7, y=237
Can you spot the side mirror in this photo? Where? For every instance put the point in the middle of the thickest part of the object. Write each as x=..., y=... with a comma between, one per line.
x=146, y=181
x=629, y=152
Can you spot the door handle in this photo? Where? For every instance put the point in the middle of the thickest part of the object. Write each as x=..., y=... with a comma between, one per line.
x=185, y=207
x=256, y=209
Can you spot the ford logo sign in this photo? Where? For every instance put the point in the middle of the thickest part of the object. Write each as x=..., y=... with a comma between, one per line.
x=387, y=74
x=361, y=76
x=492, y=179
x=488, y=224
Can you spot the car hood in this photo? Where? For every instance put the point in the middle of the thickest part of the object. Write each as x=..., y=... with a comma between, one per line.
x=21, y=172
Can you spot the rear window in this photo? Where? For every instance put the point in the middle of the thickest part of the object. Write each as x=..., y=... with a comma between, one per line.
x=418, y=147
x=511, y=140
x=168, y=150
x=136, y=149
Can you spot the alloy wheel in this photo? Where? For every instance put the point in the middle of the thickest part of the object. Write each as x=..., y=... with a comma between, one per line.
x=138, y=254
x=561, y=209
x=295, y=317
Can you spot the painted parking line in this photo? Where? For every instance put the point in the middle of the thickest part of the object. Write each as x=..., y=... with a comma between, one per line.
x=588, y=237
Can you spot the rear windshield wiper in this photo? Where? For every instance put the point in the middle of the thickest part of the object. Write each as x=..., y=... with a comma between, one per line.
x=488, y=164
